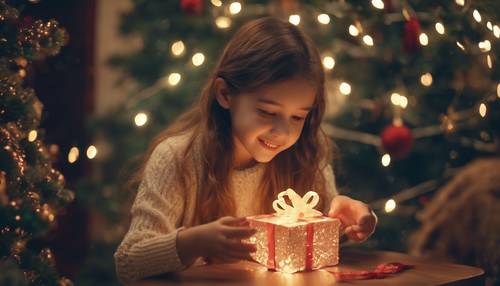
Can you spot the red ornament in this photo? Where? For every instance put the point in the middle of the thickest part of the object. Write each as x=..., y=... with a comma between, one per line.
x=397, y=140
x=192, y=7
x=411, y=43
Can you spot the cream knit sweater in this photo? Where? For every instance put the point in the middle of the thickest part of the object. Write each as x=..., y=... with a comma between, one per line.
x=161, y=208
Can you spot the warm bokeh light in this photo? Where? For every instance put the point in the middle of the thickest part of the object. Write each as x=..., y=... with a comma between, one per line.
x=390, y=206
x=426, y=79
x=353, y=31
x=294, y=19
x=91, y=152
x=140, y=119
x=328, y=62
x=73, y=155
x=423, y=39
x=345, y=88
x=32, y=135
x=482, y=110
x=178, y=48
x=323, y=19
x=385, y=160
x=223, y=22
x=368, y=40
x=235, y=8
x=174, y=79
x=198, y=59
x=440, y=28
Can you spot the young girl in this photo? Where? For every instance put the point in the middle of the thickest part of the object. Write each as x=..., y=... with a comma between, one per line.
x=254, y=132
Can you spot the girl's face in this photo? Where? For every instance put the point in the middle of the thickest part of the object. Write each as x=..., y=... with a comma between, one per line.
x=269, y=120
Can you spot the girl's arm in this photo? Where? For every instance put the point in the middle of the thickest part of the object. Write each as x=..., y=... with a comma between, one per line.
x=149, y=247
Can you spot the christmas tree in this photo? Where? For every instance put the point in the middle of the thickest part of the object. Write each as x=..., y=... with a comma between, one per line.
x=412, y=89
x=31, y=190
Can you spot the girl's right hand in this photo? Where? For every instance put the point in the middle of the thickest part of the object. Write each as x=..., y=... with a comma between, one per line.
x=219, y=240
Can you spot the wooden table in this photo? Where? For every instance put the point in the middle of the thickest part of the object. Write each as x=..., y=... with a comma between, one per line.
x=425, y=272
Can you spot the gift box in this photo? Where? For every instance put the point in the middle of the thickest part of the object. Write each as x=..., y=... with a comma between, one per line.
x=296, y=237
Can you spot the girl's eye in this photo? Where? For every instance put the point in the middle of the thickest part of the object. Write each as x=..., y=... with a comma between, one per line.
x=297, y=118
x=266, y=113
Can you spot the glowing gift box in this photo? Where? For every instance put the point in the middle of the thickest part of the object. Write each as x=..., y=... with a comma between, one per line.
x=297, y=237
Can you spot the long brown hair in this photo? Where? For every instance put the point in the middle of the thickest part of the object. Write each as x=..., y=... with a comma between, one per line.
x=262, y=52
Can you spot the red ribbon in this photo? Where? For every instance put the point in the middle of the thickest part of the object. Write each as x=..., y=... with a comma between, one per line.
x=380, y=272
x=271, y=247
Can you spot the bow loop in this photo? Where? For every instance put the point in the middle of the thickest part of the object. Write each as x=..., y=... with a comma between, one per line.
x=301, y=207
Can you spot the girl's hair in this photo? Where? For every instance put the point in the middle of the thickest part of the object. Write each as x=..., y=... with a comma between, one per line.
x=262, y=52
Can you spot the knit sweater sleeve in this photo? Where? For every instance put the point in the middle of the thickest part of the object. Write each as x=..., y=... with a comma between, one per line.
x=149, y=247
x=330, y=187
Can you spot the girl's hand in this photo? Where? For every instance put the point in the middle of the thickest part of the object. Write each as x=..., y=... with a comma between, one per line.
x=359, y=221
x=219, y=240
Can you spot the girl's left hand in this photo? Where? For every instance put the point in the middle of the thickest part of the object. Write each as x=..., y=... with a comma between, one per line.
x=359, y=221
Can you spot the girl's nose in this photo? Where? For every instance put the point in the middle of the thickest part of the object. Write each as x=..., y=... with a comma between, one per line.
x=280, y=128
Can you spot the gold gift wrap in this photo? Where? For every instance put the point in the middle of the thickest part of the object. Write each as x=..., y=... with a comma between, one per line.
x=302, y=244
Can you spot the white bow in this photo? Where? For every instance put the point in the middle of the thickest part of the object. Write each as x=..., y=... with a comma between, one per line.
x=301, y=207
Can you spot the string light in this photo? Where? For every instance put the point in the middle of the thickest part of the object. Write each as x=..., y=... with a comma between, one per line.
x=482, y=110
x=379, y=4
x=489, y=26
x=345, y=88
x=424, y=40
x=18, y=217
x=399, y=100
x=174, y=79
x=294, y=19
x=323, y=19
x=498, y=90
x=426, y=79
x=235, y=8
x=489, y=62
x=496, y=31
x=91, y=152
x=353, y=31
x=460, y=2
x=328, y=62
x=216, y=3
x=223, y=22
x=140, y=119
x=485, y=46
x=368, y=40
x=440, y=28
x=385, y=160
x=73, y=155
x=390, y=206
x=178, y=48
x=198, y=59
x=461, y=46
x=477, y=16
x=32, y=135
